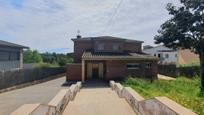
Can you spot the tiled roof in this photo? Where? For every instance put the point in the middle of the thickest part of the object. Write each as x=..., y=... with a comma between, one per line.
x=4, y=43
x=105, y=38
x=117, y=56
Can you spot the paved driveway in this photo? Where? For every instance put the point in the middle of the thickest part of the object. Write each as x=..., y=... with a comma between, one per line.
x=40, y=93
x=98, y=101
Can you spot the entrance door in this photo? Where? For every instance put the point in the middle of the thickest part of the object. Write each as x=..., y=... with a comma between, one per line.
x=95, y=71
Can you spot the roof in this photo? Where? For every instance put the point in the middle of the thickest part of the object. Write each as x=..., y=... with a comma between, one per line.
x=117, y=56
x=9, y=44
x=106, y=38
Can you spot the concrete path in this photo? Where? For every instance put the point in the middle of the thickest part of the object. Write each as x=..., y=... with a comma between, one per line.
x=40, y=93
x=164, y=77
x=98, y=101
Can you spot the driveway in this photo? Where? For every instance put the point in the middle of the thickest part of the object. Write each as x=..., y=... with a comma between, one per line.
x=40, y=93
x=98, y=101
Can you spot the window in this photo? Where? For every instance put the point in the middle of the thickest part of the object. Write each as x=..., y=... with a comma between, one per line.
x=133, y=66
x=166, y=55
x=116, y=46
x=155, y=55
x=148, y=65
x=101, y=46
x=159, y=55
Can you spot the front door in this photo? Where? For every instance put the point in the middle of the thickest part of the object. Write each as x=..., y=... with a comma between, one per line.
x=95, y=70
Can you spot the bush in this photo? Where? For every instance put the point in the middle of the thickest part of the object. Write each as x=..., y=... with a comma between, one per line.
x=44, y=65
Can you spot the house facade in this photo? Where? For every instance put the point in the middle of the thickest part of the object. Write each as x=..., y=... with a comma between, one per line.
x=109, y=58
x=171, y=56
x=11, y=55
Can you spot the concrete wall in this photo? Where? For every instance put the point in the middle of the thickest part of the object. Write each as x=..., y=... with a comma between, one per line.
x=20, y=76
x=55, y=107
x=153, y=106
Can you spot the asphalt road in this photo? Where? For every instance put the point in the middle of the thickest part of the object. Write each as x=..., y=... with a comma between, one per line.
x=40, y=93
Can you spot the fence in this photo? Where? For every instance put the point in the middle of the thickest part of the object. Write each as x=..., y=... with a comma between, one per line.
x=174, y=71
x=16, y=77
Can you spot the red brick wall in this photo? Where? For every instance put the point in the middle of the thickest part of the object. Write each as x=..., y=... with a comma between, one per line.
x=79, y=48
x=108, y=45
x=118, y=69
x=133, y=47
x=73, y=72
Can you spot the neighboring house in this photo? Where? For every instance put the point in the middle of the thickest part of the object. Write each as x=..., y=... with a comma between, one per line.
x=170, y=56
x=11, y=55
x=109, y=58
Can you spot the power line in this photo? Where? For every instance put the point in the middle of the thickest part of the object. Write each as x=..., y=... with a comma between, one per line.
x=109, y=24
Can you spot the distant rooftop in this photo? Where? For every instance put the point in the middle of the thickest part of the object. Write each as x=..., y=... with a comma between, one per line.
x=9, y=44
x=105, y=38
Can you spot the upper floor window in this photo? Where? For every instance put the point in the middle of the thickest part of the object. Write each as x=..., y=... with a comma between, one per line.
x=116, y=46
x=101, y=46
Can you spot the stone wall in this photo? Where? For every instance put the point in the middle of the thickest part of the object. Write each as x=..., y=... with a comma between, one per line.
x=20, y=76
x=153, y=106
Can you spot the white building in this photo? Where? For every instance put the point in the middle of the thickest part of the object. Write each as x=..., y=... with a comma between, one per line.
x=166, y=55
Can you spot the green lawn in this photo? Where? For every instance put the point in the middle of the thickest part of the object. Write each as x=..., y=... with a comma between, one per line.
x=182, y=90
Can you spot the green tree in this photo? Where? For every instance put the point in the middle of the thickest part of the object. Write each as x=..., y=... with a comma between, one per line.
x=37, y=57
x=185, y=29
x=28, y=56
x=32, y=56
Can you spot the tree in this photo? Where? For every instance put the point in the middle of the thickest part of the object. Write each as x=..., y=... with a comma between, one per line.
x=27, y=56
x=32, y=56
x=185, y=29
x=37, y=57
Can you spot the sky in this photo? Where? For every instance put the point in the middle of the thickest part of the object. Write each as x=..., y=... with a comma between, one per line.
x=49, y=25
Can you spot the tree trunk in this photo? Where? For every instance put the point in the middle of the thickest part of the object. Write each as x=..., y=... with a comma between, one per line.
x=202, y=70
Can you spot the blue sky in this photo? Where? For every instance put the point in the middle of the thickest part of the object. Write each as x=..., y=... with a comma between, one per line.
x=49, y=25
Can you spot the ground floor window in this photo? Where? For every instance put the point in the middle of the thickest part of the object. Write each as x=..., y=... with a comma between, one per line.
x=133, y=66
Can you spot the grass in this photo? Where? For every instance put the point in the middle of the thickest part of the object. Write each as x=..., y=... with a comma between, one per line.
x=182, y=90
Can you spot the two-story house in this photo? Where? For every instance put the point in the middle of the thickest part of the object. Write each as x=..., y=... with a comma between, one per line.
x=109, y=58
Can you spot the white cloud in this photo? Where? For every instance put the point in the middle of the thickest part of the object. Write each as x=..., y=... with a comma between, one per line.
x=50, y=24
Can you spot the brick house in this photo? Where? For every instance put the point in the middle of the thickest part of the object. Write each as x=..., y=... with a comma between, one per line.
x=109, y=58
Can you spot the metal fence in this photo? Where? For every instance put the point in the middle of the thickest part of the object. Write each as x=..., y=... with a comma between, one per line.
x=11, y=78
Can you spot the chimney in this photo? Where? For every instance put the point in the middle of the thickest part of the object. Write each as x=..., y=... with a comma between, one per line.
x=78, y=34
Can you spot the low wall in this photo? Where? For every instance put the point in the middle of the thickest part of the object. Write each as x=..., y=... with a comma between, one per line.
x=55, y=107
x=73, y=72
x=153, y=106
x=16, y=77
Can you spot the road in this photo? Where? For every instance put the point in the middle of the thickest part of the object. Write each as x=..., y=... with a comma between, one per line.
x=40, y=93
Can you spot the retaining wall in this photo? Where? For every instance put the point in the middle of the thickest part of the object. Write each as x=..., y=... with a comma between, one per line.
x=153, y=106
x=55, y=107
